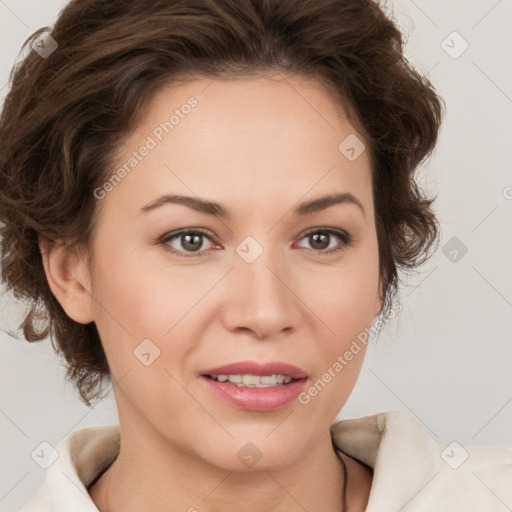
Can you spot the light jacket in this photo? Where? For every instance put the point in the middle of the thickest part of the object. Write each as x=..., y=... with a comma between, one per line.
x=411, y=471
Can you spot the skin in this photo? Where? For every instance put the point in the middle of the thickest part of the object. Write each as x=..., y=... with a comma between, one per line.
x=258, y=146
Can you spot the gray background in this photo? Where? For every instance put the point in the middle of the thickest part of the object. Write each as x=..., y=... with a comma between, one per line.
x=447, y=359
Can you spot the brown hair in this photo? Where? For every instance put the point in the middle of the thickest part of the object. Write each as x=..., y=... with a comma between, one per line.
x=66, y=114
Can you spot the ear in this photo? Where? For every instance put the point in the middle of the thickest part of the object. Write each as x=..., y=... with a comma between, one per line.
x=68, y=277
x=380, y=299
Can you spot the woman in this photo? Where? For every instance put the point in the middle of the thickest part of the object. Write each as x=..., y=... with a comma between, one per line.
x=208, y=203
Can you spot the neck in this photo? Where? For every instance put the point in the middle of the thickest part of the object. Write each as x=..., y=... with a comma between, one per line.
x=153, y=475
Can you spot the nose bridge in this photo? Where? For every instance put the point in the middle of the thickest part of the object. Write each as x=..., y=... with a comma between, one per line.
x=259, y=265
x=264, y=302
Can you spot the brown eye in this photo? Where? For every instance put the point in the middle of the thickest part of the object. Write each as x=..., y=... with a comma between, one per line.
x=321, y=240
x=189, y=242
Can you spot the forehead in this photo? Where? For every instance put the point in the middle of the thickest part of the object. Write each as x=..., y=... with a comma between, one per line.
x=231, y=103
x=231, y=139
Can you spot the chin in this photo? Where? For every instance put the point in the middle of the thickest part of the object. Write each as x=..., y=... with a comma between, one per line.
x=246, y=453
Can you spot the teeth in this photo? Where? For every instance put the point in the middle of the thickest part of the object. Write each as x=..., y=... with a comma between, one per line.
x=254, y=381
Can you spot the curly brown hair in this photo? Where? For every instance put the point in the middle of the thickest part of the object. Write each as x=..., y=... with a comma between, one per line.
x=65, y=116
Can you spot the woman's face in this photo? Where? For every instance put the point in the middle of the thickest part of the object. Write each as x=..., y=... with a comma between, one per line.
x=267, y=282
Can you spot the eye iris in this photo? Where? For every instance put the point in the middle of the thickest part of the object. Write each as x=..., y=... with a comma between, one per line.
x=320, y=237
x=188, y=244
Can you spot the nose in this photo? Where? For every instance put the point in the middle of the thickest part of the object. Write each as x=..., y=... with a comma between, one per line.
x=261, y=300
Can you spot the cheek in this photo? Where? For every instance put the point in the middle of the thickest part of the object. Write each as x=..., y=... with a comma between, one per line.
x=129, y=302
x=138, y=299
x=344, y=298
x=345, y=310
x=345, y=295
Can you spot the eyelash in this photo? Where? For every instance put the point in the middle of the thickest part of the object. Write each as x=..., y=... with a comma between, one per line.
x=342, y=235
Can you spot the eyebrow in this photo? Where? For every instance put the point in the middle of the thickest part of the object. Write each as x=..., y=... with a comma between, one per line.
x=213, y=208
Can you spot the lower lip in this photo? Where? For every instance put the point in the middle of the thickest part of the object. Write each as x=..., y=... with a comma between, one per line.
x=257, y=399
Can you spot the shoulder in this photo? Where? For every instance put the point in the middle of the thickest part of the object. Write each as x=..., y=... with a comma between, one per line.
x=413, y=469
x=78, y=458
x=479, y=477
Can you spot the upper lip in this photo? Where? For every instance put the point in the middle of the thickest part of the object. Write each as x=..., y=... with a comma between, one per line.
x=255, y=368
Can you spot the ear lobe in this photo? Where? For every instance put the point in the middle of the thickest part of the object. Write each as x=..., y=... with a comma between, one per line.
x=380, y=300
x=68, y=277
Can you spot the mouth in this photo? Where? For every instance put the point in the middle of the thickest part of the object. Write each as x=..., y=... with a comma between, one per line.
x=257, y=387
x=254, y=374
